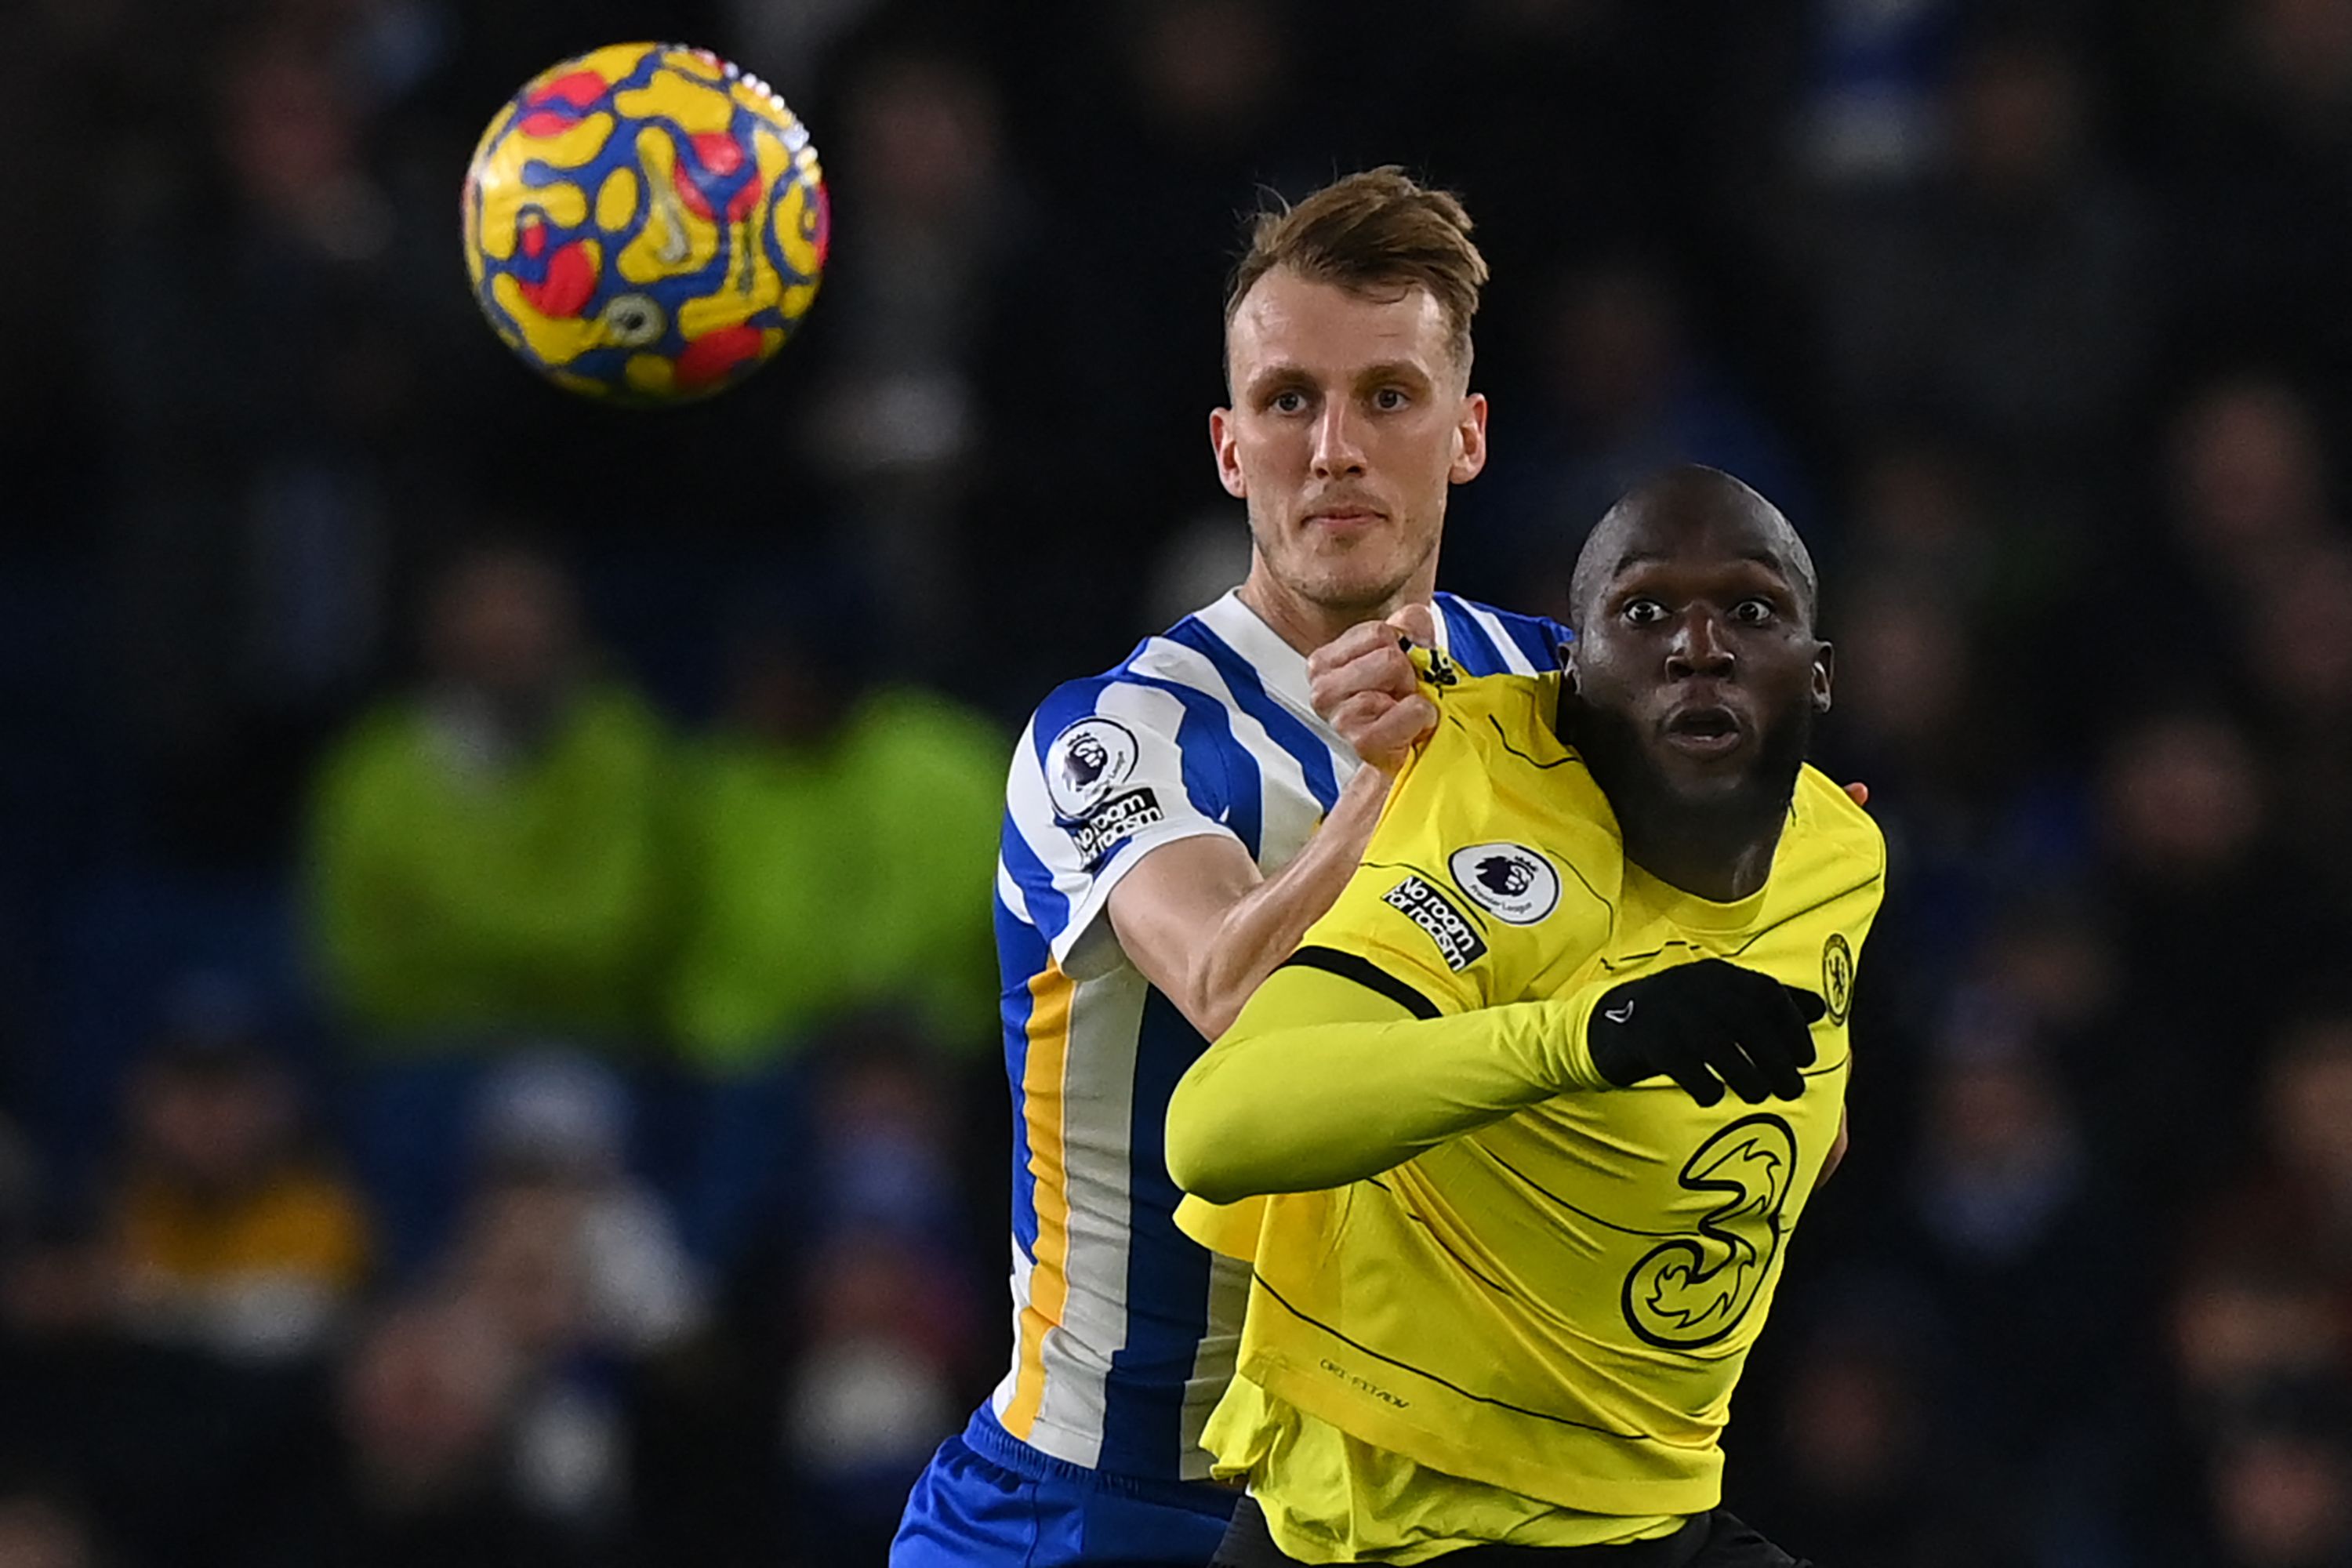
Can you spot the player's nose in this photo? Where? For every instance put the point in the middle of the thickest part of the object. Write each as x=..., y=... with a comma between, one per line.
x=1338, y=441
x=1699, y=646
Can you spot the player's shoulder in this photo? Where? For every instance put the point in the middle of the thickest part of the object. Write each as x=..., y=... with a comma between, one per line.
x=1832, y=823
x=1495, y=717
x=1162, y=716
x=1496, y=768
x=1487, y=640
x=1104, y=702
x=1189, y=659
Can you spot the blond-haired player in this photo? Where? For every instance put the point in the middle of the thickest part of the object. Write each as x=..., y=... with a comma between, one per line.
x=1173, y=828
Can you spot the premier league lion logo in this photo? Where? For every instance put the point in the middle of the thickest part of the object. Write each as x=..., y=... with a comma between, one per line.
x=1084, y=762
x=1506, y=876
x=1510, y=881
x=1087, y=762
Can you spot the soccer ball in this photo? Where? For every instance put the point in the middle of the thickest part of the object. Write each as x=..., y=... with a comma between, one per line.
x=646, y=223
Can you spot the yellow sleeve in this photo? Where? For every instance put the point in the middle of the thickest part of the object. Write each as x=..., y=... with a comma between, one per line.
x=1325, y=1080
x=1232, y=1229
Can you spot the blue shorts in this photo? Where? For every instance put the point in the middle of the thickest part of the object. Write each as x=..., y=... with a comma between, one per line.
x=986, y=1501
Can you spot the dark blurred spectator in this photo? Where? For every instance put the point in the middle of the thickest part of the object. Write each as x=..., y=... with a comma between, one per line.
x=1909, y=679
x=2260, y=550
x=228, y=1234
x=839, y=842
x=2248, y=479
x=2184, y=805
x=175, y=1447
x=886, y=1145
x=2190, y=869
x=578, y=1267
x=2006, y=298
x=1917, y=521
x=1624, y=392
x=269, y=303
x=904, y=411
x=2244, y=1320
x=1911, y=720
x=2266, y=219
x=1861, y=1467
x=521, y=1263
x=2280, y=1483
x=418, y=1470
x=555, y=1132
x=2292, y=1203
x=892, y=1311
x=2034, y=1267
x=1186, y=109
x=873, y=1388
x=488, y=863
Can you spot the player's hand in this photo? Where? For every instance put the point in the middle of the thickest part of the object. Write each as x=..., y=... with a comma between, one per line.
x=1860, y=792
x=1709, y=1027
x=1365, y=687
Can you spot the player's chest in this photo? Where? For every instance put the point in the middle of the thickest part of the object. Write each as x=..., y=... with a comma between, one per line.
x=1814, y=955
x=1656, y=1123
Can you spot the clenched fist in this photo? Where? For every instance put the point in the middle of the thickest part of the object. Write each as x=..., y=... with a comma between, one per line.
x=1366, y=688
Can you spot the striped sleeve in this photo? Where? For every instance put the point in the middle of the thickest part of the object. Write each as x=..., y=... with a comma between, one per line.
x=1110, y=770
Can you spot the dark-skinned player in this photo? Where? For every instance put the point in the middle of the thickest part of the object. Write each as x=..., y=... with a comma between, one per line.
x=1516, y=1140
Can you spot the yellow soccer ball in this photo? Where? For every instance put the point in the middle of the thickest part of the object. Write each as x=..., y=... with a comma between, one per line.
x=646, y=223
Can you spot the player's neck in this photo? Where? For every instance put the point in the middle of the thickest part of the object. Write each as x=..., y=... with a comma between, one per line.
x=1307, y=625
x=1722, y=859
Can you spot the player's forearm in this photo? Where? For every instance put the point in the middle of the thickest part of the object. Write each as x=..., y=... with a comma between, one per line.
x=1265, y=925
x=1322, y=1082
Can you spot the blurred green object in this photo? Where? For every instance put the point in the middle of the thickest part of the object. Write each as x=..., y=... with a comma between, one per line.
x=461, y=893
x=838, y=873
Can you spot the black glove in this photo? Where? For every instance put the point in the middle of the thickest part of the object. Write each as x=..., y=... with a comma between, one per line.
x=1707, y=1026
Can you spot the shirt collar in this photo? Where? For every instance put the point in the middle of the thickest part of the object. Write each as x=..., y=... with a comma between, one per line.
x=1282, y=667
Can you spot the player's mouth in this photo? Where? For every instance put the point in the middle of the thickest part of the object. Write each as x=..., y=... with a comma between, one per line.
x=1345, y=520
x=1704, y=731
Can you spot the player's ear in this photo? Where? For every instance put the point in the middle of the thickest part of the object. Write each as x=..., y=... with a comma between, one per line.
x=1469, y=439
x=1225, y=443
x=1824, y=668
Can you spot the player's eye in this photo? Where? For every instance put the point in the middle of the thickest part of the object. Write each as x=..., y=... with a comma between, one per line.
x=1289, y=401
x=1644, y=612
x=1389, y=399
x=1752, y=611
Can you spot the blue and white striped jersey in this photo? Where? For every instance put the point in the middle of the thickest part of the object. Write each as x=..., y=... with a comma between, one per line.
x=1125, y=1329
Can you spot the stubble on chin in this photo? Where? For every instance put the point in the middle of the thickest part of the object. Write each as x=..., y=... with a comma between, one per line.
x=1342, y=584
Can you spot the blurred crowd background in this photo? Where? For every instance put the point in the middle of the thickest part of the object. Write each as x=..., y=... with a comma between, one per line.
x=497, y=1058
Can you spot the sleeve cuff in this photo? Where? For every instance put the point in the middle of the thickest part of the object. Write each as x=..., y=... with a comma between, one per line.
x=1085, y=947
x=1566, y=1047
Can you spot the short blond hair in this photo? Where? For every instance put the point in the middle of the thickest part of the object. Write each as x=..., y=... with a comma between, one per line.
x=1368, y=232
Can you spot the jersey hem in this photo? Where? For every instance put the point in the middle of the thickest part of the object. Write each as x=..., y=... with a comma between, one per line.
x=1532, y=1478
x=986, y=1437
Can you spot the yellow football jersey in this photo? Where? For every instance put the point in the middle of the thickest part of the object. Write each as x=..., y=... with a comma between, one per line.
x=1558, y=1304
